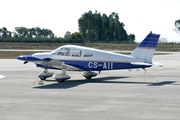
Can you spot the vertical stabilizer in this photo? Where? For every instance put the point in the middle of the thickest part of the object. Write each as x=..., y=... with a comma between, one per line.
x=146, y=48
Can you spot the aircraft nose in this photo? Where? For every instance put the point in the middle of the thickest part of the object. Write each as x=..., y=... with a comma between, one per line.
x=28, y=58
x=21, y=58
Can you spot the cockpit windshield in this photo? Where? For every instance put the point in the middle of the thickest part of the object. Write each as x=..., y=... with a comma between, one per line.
x=62, y=51
x=54, y=52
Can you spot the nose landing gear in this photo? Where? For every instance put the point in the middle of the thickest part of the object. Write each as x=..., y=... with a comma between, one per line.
x=89, y=74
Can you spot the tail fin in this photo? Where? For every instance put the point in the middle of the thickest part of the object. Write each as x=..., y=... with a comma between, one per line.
x=146, y=48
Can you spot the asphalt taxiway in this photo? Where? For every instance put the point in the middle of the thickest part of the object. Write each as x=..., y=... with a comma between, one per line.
x=118, y=94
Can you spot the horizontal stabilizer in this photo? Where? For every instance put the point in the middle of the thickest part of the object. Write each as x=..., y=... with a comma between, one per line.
x=158, y=64
x=147, y=64
x=140, y=63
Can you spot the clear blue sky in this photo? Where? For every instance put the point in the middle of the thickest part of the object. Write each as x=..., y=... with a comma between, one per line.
x=139, y=16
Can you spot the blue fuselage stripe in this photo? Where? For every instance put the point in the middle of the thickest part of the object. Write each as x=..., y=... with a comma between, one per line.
x=97, y=65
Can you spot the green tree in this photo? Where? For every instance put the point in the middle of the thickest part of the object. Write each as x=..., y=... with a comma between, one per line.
x=4, y=32
x=111, y=26
x=177, y=25
x=95, y=27
x=15, y=35
x=9, y=33
x=105, y=28
x=78, y=35
x=67, y=35
x=0, y=32
x=50, y=34
x=98, y=27
x=38, y=32
x=31, y=32
x=21, y=31
x=72, y=36
x=131, y=38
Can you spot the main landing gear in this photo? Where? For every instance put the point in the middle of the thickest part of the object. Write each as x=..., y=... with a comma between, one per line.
x=62, y=77
x=89, y=74
x=88, y=77
x=59, y=77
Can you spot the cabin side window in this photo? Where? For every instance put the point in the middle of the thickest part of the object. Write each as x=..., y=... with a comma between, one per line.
x=64, y=52
x=87, y=54
x=76, y=53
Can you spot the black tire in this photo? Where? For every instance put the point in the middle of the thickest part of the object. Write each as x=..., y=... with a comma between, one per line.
x=88, y=77
x=42, y=78
x=61, y=81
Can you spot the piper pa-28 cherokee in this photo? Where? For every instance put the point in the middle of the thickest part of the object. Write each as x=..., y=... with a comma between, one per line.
x=76, y=58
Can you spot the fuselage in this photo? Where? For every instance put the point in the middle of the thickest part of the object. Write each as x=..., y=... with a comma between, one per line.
x=89, y=59
x=77, y=58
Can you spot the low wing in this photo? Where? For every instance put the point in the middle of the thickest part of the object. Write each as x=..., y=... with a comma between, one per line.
x=60, y=65
x=48, y=63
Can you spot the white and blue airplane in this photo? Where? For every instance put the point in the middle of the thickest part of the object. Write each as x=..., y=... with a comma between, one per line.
x=77, y=58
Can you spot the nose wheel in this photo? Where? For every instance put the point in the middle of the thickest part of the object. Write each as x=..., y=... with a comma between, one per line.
x=42, y=78
x=45, y=74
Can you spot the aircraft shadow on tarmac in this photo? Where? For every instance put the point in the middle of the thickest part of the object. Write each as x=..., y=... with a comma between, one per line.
x=73, y=83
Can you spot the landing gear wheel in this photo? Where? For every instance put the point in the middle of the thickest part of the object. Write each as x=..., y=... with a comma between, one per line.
x=88, y=77
x=61, y=81
x=42, y=78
